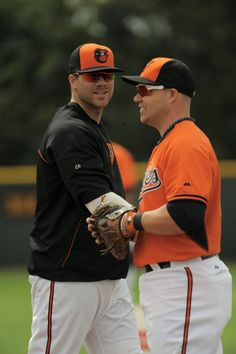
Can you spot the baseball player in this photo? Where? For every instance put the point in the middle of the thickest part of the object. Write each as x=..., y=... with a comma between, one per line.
x=78, y=296
x=127, y=168
x=186, y=290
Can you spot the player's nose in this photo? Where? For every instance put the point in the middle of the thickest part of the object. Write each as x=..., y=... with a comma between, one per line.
x=137, y=98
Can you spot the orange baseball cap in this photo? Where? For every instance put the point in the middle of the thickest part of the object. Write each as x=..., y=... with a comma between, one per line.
x=92, y=57
x=168, y=72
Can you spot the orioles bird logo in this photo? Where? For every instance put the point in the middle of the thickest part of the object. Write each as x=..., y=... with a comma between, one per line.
x=151, y=181
x=101, y=55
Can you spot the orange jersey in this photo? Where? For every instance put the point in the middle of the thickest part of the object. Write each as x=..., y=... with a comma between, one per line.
x=126, y=166
x=182, y=166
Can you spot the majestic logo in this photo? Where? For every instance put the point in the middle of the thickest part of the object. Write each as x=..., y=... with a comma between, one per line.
x=101, y=55
x=77, y=166
x=151, y=180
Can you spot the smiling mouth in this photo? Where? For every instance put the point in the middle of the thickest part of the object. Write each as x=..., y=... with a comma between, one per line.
x=141, y=109
x=100, y=92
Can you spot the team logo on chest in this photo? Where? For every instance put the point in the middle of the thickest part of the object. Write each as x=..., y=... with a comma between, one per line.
x=111, y=153
x=151, y=180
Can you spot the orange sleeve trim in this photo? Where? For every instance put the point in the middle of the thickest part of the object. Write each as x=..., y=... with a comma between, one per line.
x=188, y=196
x=71, y=245
x=41, y=156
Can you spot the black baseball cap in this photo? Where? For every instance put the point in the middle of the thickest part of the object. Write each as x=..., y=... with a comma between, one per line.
x=92, y=57
x=168, y=72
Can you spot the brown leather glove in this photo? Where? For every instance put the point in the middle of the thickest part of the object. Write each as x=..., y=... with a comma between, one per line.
x=106, y=224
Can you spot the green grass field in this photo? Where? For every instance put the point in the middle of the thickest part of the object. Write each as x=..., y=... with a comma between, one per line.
x=15, y=313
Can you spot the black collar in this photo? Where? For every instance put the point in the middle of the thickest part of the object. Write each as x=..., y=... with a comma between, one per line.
x=173, y=125
x=82, y=114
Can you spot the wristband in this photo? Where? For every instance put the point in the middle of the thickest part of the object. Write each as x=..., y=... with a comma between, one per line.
x=138, y=222
x=130, y=223
x=127, y=223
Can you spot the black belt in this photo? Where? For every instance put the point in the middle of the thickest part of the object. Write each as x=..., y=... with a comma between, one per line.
x=164, y=265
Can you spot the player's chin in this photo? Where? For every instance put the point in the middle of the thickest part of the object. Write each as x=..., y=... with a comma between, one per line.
x=102, y=102
x=143, y=119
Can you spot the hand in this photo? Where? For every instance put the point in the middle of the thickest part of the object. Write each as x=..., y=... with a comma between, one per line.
x=92, y=228
x=105, y=226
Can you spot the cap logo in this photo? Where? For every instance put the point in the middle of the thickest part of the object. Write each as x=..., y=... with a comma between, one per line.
x=101, y=55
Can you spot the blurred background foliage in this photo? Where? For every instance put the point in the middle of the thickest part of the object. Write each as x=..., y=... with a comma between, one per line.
x=37, y=37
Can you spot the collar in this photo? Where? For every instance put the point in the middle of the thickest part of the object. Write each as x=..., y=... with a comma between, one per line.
x=83, y=115
x=172, y=127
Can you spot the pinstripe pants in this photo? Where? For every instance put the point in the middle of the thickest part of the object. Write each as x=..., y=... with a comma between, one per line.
x=186, y=306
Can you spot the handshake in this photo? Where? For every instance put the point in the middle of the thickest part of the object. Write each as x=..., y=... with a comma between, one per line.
x=114, y=225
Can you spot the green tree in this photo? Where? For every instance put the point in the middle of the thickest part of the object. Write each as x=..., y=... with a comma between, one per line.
x=36, y=39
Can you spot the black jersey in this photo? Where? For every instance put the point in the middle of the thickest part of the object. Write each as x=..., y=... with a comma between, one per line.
x=76, y=164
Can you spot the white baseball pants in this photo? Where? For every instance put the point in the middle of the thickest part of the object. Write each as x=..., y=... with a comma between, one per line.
x=66, y=315
x=187, y=306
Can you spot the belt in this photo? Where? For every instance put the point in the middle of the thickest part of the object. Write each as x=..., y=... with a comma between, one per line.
x=164, y=265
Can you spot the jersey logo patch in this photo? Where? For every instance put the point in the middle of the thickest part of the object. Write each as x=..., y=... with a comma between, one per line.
x=151, y=181
x=77, y=166
x=111, y=152
x=187, y=184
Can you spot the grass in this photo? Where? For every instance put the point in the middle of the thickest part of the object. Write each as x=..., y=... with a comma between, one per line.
x=15, y=313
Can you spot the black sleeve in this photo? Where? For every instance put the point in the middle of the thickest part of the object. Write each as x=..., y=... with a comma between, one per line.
x=189, y=216
x=79, y=162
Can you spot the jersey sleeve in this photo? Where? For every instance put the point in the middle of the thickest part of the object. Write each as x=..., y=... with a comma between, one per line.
x=187, y=171
x=77, y=156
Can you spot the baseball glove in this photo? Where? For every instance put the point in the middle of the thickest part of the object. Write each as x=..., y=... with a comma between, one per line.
x=107, y=219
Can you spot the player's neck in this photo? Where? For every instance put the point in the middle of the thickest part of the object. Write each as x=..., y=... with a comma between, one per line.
x=171, y=118
x=94, y=114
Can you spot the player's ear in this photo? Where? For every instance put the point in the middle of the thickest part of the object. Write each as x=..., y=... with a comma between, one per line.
x=73, y=80
x=173, y=94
